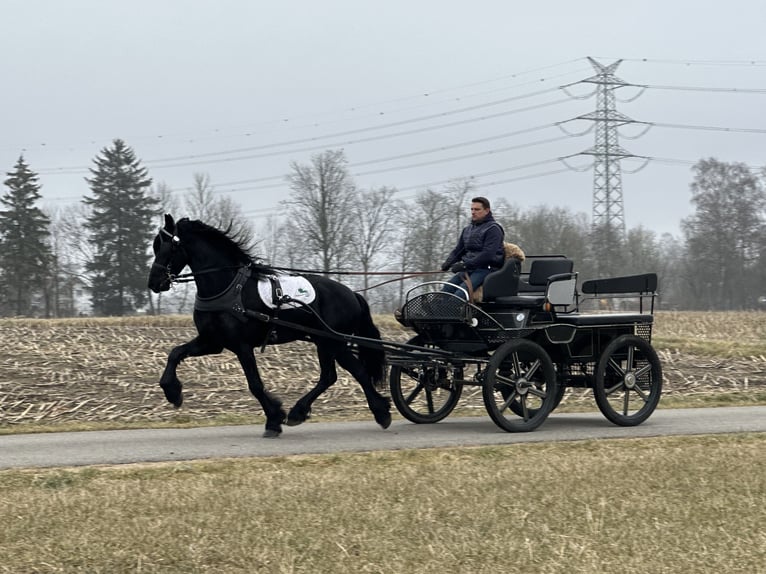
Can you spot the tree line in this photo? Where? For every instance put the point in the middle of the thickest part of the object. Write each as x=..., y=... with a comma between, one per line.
x=93, y=257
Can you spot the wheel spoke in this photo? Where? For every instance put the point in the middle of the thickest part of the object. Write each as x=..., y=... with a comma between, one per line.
x=616, y=366
x=413, y=395
x=508, y=401
x=430, y=401
x=532, y=369
x=641, y=393
x=411, y=373
x=507, y=380
x=643, y=370
x=524, y=410
x=615, y=388
x=538, y=392
x=626, y=402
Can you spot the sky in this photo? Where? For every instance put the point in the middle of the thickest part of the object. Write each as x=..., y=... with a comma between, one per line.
x=416, y=93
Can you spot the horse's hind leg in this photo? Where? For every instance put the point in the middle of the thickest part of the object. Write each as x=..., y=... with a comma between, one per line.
x=327, y=377
x=272, y=407
x=379, y=405
x=169, y=382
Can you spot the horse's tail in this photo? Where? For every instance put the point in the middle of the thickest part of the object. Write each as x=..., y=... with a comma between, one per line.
x=373, y=357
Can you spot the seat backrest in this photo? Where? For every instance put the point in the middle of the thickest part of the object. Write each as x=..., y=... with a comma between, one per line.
x=541, y=269
x=644, y=283
x=503, y=282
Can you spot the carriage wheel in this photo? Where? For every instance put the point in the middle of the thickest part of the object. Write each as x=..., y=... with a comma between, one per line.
x=560, y=391
x=521, y=387
x=423, y=394
x=628, y=381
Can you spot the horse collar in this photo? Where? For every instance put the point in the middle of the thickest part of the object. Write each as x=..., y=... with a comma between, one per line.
x=230, y=299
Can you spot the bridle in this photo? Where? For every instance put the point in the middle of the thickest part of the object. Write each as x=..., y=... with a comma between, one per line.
x=175, y=243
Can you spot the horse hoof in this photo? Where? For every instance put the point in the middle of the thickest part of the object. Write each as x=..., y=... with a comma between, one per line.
x=179, y=401
x=296, y=417
x=384, y=421
x=271, y=433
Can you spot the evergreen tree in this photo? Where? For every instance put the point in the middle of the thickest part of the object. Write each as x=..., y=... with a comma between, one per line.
x=24, y=248
x=120, y=226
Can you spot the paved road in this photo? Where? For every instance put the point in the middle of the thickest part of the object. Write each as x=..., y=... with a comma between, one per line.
x=130, y=446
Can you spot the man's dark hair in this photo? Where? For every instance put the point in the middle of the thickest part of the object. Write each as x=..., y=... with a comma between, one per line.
x=483, y=200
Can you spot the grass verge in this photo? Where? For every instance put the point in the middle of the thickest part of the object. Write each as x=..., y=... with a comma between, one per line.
x=691, y=504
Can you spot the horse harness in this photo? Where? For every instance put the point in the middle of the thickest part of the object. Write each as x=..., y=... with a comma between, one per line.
x=230, y=299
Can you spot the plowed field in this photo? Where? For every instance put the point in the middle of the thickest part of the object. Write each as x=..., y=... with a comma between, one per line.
x=100, y=370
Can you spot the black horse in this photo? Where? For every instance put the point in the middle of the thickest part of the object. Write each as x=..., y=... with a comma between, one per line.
x=230, y=314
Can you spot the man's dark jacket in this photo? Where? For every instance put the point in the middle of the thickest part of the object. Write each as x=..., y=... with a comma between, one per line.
x=480, y=245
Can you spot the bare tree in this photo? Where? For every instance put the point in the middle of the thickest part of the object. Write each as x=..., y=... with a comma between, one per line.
x=425, y=235
x=68, y=243
x=457, y=194
x=723, y=234
x=268, y=237
x=374, y=216
x=203, y=203
x=322, y=199
x=167, y=201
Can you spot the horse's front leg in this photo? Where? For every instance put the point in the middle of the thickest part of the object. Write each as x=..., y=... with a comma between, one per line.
x=169, y=382
x=272, y=407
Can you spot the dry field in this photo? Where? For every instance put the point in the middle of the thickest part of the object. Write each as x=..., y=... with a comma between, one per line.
x=105, y=371
x=656, y=505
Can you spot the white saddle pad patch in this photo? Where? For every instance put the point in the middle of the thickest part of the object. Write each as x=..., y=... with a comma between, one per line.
x=294, y=286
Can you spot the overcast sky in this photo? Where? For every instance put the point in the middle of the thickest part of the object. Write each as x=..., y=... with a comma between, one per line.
x=415, y=92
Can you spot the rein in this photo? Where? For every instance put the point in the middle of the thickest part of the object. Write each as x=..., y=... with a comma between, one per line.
x=402, y=278
x=399, y=275
x=188, y=277
x=319, y=272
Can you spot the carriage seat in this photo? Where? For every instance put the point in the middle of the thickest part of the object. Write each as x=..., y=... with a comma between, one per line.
x=504, y=282
x=531, y=294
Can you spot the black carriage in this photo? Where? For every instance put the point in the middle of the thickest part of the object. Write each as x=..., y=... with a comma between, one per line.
x=534, y=334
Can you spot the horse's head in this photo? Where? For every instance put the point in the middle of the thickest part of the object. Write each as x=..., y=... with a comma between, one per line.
x=169, y=257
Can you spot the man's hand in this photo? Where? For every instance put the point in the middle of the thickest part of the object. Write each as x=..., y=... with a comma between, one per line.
x=458, y=267
x=445, y=266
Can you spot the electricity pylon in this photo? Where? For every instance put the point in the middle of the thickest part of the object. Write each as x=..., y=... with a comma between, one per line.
x=608, y=209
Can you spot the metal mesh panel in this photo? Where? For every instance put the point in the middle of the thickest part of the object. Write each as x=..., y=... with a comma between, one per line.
x=579, y=368
x=644, y=331
x=441, y=307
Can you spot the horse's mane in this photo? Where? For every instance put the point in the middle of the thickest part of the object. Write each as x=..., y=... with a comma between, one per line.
x=237, y=241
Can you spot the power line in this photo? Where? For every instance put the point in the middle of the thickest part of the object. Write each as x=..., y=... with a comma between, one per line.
x=706, y=128
x=707, y=63
x=710, y=89
x=427, y=95
x=73, y=170
x=353, y=165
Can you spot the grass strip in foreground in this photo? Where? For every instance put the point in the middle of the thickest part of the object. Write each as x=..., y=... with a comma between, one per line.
x=680, y=504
